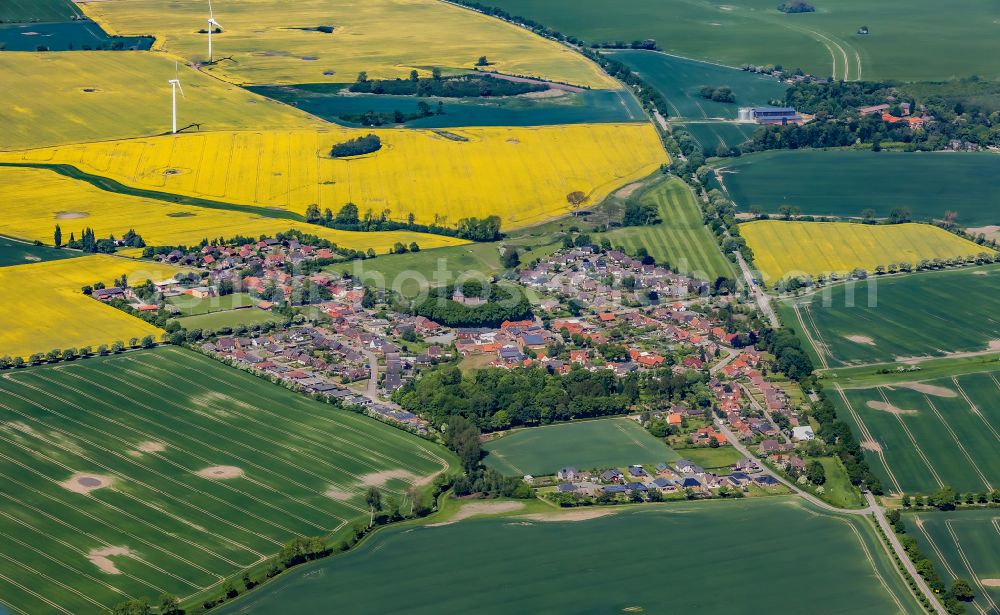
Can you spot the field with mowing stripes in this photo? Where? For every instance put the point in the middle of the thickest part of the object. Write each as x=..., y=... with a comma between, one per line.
x=919, y=436
x=523, y=175
x=167, y=471
x=874, y=321
x=962, y=545
x=792, y=248
x=592, y=565
x=681, y=241
x=603, y=443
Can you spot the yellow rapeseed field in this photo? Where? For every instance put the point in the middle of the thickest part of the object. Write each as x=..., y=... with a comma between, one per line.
x=35, y=200
x=57, y=98
x=271, y=42
x=43, y=307
x=523, y=175
x=791, y=248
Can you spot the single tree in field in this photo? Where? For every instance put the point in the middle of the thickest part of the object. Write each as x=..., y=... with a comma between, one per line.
x=57, y=237
x=169, y=605
x=374, y=501
x=482, y=61
x=961, y=590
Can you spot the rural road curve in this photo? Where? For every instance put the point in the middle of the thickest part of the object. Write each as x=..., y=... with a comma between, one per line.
x=873, y=508
x=763, y=301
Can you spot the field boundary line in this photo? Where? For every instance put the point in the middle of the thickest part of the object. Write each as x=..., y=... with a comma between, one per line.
x=968, y=566
x=867, y=435
x=975, y=409
x=909, y=434
x=958, y=442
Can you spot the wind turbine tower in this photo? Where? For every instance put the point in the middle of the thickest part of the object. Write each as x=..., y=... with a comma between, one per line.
x=175, y=84
x=212, y=24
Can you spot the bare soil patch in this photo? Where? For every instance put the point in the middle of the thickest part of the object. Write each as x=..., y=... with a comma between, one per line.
x=871, y=445
x=573, y=515
x=990, y=582
x=884, y=407
x=513, y=142
x=558, y=86
x=928, y=389
x=481, y=508
x=626, y=191
x=549, y=93
x=152, y=447
x=83, y=482
x=221, y=472
x=71, y=215
x=378, y=479
x=100, y=557
x=336, y=493
x=861, y=339
x=991, y=232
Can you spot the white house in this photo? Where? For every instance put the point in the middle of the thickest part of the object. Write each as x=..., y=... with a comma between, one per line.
x=803, y=433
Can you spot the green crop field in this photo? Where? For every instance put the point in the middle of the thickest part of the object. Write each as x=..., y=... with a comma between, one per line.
x=229, y=318
x=586, y=445
x=164, y=471
x=912, y=43
x=192, y=306
x=18, y=253
x=679, y=80
x=874, y=320
x=845, y=183
x=716, y=460
x=38, y=10
x=962, y=545
x=680, y=241
x=919, y=436
x=590, y=106
x=715, y=135
x=606, y=565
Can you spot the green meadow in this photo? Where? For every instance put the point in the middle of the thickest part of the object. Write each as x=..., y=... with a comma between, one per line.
x=197, y=471
x=874, y=321
x=919, y=436
x=714, y=136
x=962, y=545
x=585, y=445
x=680, y=240
x=846, y=183
x=214, y=321
x=741, y=557
x=680, y=80
x=912, y=42
x=38, y=10
x=14, y=252
x=591, y=106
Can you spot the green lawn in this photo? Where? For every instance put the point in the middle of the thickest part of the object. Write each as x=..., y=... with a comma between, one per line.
x=680, y=80
x=845, y=183
x=838, y=489
x=191, y=306
x=917, y=42
x=230, y=318
x=962, y=545
x=585, y=445
x=680, y=241
x=14, y=252
x=736, y=557
x=716, y=460
x=917, y=440
x=151, y=421
x=875, y=320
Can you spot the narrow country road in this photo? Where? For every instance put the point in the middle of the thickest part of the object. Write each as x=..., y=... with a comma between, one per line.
x=763, y=301
x=873, y=508
x=897, y=546
x=730, y=355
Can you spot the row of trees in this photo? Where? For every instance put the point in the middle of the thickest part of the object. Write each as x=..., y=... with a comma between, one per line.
x=377, y=118
x=349, y=218
x=69, y=354
x=465, y=86
x=89, y=242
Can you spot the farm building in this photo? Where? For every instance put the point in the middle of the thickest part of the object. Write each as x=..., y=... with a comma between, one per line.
x=770, y=115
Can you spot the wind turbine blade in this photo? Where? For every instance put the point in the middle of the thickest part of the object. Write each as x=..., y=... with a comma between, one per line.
x=180, y=88
x=210, y=13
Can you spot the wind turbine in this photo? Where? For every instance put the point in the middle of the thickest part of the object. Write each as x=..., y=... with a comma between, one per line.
x=175, y=84
x=212, y=24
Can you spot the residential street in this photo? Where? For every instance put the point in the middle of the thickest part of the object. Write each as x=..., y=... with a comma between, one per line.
x=763, y=301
